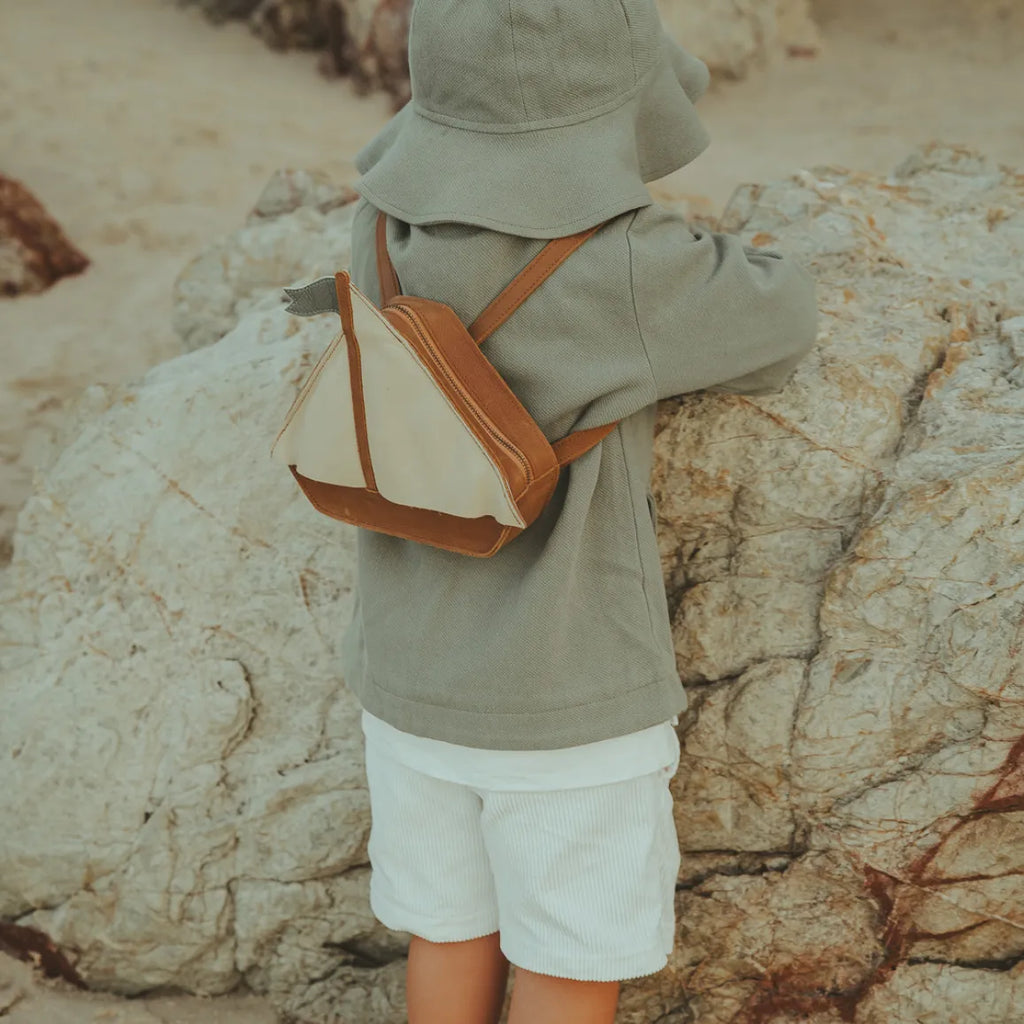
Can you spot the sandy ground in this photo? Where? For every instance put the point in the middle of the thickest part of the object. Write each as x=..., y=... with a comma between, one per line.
x=147, y=133
x=27, y=998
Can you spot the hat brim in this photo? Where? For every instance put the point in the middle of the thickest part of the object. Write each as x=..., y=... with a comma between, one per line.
x=545, y=182
x=690, y=71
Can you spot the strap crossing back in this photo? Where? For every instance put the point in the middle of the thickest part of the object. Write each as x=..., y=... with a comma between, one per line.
x=522, y=286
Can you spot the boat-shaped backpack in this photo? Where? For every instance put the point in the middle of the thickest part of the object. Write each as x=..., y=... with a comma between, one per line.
x=405, y=427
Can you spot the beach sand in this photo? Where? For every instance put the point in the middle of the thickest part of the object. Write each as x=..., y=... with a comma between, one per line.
x=147, y=133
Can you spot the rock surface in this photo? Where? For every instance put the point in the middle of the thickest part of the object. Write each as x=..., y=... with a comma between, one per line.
x=300, y=227
x=185, y=794
x=845, y=564
x=368, y=39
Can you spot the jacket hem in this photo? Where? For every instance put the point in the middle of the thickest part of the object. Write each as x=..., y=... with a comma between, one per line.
x=625, y=712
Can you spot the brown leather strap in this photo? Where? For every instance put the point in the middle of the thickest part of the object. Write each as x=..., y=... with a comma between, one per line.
x=389, y=284
x=526, y=282
x=355, y=374
x=572, y=446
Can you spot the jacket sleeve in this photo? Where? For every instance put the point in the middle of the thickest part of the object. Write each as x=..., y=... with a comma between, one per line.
x=713, y=313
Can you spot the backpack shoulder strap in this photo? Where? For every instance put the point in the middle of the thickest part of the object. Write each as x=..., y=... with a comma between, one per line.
x=389, y=283
x=527, y=281
x=522, y=286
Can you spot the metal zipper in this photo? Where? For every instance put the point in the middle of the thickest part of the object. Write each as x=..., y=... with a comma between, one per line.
x=479, y=416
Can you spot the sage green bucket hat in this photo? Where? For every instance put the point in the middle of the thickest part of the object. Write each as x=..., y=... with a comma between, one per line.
x=539, y=118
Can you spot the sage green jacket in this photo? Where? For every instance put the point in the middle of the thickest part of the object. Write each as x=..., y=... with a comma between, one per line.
x=563, y=637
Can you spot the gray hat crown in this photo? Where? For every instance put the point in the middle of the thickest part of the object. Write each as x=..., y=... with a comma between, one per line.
x=539, y=118
x=495, y=66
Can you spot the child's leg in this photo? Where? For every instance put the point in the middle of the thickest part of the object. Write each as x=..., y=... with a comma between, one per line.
x=455, y=982
x=543, y=999
x=464, y=983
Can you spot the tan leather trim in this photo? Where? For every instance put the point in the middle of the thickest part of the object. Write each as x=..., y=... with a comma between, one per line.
x=526, y=282
x=572, y=446
x=386, y=276
x=341, y=280
x=480, y=537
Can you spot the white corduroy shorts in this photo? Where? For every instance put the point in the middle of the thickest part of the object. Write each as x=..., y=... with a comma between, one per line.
x=579, y=882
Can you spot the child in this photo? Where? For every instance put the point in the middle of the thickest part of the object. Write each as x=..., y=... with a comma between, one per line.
x=519, y=710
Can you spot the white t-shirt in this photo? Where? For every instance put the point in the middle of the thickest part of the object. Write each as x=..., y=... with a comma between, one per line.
x=589, y=764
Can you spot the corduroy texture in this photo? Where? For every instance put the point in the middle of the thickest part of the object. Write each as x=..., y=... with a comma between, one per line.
x=536, y=117
x=563, y=637
x=580, y=882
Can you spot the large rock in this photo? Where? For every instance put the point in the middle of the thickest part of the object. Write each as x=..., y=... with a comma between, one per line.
x=368, y=39
x=184, y=800
x=206, y=815
x=300, y=227
x=845, y=564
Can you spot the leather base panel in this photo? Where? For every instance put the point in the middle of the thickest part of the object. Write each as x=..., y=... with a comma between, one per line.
x=480, y=537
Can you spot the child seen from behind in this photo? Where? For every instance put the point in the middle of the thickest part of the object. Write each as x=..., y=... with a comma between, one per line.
x=520, y=711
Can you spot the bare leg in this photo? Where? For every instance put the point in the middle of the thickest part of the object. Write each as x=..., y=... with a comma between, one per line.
x=542, y=999
x=455, y=982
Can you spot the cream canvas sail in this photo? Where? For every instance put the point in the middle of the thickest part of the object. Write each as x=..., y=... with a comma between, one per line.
x=423, y=454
